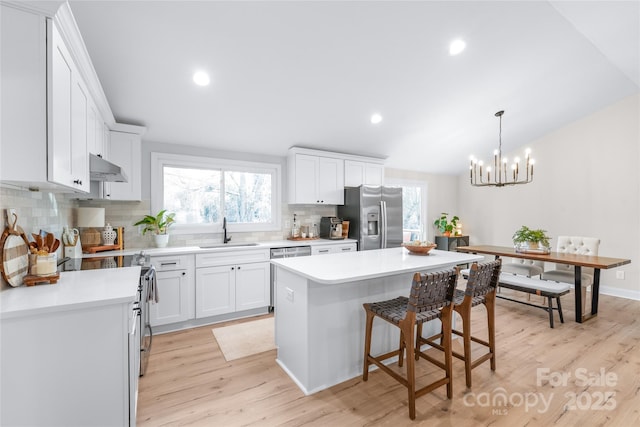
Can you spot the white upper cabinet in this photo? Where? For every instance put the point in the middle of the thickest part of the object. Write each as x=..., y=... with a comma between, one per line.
x=358, y=173
x=68, y=118
x=315, y=179
x=319, y=177
x=96, y=141
x=125, y=151
x=53, y=112
x=23, y=112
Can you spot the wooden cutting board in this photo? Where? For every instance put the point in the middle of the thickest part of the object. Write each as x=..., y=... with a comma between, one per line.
x=14, y=250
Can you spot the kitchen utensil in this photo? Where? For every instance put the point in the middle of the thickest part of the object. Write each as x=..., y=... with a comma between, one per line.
x=15, y=255
x=49, y=240
x=55, y=246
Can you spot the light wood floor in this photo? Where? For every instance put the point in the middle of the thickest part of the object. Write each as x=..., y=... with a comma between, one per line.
x=188, y=382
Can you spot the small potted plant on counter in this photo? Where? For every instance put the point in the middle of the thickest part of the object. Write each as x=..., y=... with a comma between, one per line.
x=158, y=225
x=445, y=226
x=526, y=239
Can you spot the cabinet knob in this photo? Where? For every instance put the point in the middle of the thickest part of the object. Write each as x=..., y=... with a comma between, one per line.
x=77, y=181
x=233, y=268
x=184, y=273
x=99, y=155
x=238, y=267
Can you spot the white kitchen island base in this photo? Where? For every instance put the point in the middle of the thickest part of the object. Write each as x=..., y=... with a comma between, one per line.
x=319, y=319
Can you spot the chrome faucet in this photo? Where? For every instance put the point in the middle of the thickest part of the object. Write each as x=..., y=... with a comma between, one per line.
x=224, y=227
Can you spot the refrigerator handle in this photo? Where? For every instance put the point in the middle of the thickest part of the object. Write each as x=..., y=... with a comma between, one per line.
x=383, y=220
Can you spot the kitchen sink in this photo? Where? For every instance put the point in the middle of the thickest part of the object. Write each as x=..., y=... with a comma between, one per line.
x=228, y=245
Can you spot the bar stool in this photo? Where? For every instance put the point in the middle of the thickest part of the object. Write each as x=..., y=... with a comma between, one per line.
x=430, y=297
x=481, y=289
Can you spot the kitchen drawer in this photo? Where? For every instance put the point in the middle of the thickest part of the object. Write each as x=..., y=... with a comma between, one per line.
x=333, y=248
x=230, y=257
x=172, y=262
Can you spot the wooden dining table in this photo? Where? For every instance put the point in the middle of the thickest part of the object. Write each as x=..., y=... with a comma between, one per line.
x=577, y=260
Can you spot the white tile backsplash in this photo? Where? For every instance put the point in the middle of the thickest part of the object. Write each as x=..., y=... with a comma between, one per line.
x=53, y=211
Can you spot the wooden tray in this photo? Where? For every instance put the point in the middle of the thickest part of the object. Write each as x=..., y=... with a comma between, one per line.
x=31, y=280
x=303, y=238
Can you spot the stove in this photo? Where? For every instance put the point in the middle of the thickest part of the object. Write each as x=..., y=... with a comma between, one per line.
x=103, y=262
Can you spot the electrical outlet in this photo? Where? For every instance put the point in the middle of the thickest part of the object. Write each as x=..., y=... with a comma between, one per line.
x=287, y=224
x=620, y=274
x=289, y=294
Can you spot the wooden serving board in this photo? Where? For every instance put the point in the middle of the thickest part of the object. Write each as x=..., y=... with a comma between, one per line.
x=14, y=250
x=94, y=249
x=302, y=238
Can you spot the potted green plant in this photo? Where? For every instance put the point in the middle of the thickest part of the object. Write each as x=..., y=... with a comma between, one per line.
x=526, y=238
x=158, y=225
x=445, y=226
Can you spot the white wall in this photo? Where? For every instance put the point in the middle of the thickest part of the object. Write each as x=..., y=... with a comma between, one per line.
x=586, y=183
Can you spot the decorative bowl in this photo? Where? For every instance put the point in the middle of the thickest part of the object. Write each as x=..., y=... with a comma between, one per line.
x=419, y=249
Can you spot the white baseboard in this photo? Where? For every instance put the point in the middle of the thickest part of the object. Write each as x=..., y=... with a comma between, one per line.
x=620, y=293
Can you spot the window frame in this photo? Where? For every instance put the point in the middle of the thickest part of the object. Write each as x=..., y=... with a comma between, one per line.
x=160, y=160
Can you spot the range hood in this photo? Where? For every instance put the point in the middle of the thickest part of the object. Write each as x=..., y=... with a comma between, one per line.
x=103, y=170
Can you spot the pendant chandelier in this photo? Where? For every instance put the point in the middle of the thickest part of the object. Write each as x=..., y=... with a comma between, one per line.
x=501, y=175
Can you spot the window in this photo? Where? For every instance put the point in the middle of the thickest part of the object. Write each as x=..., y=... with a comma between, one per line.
x=412, y=212
x=202, y=191
x=414, y=208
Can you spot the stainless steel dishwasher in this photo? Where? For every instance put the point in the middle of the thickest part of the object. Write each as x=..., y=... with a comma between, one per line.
x=290, y=252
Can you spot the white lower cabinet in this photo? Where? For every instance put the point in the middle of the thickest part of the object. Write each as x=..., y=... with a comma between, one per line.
x=215, y=291
x=252, y=286
x=333, y=248
x=175, y=285
x=232, y=281
x=230, y=288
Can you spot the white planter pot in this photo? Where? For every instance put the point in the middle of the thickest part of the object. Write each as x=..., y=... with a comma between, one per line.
x=161, y=240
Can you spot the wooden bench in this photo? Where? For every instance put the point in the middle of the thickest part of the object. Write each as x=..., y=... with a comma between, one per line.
x=546, y=288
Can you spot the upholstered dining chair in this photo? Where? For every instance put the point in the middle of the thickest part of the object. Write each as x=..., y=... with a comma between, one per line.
x=481, y=289
x=524, y=267
x=430, y=297
x=566, y=273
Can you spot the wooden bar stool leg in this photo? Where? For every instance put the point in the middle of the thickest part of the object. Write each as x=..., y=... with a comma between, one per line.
x=550, y=309
x=407, y=331
x=418, y=335
x=490, y=304
x=465, y=315
x=401, y=348
x=446, y=344
x=367, y=344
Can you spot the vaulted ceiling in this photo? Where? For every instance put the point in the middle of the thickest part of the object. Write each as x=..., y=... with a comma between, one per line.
x=311, y=73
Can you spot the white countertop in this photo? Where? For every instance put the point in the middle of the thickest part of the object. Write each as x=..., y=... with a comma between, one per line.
x=352, y=266
x=234, y=246
x=75, y=289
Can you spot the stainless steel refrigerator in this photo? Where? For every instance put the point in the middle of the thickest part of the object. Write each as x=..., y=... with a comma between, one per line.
x=374, y=215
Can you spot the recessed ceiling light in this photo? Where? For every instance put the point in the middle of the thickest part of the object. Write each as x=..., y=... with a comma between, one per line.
x=456, y=47
x=201, y=78
x=376, y=118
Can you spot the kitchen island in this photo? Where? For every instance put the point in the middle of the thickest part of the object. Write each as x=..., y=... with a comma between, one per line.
x=319, y=319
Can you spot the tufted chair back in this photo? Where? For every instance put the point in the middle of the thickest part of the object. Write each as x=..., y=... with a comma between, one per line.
x=577, y=245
